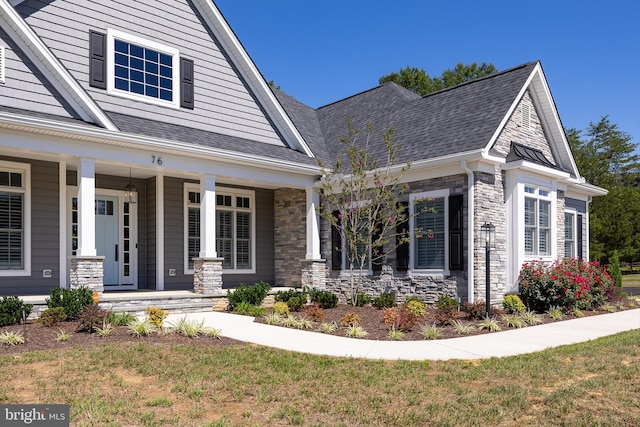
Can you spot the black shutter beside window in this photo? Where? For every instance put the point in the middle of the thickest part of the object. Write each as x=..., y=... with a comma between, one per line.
x=186, y=83
x=402, y=249
x=376, y=263
x=579, y=237
x=456, y=243
x=336, y=244
x=97, y=60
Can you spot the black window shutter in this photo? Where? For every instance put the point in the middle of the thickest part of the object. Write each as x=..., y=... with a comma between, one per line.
x=186, y=83
x=336, y=244
x=402, y=249
x=376, y=263
x=456, y=252
x=579, y=237
x=97, y=59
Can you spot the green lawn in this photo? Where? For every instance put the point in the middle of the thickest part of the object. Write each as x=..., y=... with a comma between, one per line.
x=137, y=384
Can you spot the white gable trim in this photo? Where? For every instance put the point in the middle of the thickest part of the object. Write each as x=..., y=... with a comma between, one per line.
x=243, y=62
x=51, y=68
x=543, y=101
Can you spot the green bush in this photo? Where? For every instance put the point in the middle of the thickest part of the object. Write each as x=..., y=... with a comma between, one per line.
x=281, y=308
x=614, y=269
x=446, y=310
x=326, y=299
x=72, y=300
x=11, y=309
x=247, y=309
x=513, y=304
x=415, y=306
x=52, y=316
x=567, y=284
x=362, y=300
x=251, y=294
x=294, y=299
x=386, y=300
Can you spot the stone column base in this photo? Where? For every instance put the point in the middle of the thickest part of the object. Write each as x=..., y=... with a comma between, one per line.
x=207, y=275
x=87, y=271
x=314, y=273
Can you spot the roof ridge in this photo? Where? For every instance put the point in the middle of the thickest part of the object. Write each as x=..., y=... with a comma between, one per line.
x=352, y=96
x=479, y=79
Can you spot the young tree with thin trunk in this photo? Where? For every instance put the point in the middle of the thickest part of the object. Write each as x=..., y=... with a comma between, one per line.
x=362, y=199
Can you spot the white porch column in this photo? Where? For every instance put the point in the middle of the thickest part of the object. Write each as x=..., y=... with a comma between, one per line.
x=62, y=223
x=208, y=216
x=86, y=208
x=313, y=225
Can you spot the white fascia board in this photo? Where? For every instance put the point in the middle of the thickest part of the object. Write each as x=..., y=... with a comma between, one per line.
x=549, y=116
x=430, y=168
x=245, y=65
x=119, y=139
x=50, y=66
x=537, y=169
x=551, y=119
x=587, y=189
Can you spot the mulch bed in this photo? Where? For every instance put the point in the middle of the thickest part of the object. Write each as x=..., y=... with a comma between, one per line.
x=39, y=337
x=372, y=321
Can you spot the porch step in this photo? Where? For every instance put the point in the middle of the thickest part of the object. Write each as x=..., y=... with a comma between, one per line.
x=173, y=302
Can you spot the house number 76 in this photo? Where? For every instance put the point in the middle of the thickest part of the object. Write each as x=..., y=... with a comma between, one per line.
x=156, y=160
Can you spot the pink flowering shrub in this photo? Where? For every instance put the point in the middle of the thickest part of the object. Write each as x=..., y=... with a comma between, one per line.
x=568, y=284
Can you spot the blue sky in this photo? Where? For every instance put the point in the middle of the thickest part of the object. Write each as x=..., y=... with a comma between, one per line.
x=322, y=51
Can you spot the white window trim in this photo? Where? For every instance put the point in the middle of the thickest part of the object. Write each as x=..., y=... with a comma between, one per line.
x=113, y=34
x=223, y=191
x=413, y=199
x=573, y=212
x=25, y=170
x=551, y=198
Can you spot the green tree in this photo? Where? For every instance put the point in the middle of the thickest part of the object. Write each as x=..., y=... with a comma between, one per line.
x=367, y=196
x=606, y=157
x=418, y=81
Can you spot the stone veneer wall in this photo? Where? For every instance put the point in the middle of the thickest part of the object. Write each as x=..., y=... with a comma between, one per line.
x=87, y=271
x=404, y=284
x=490, y=207
x=533, y=136
x=290, y=236
x=560, y=225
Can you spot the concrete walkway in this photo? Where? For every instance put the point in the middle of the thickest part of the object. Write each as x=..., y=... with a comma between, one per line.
x=499, y=344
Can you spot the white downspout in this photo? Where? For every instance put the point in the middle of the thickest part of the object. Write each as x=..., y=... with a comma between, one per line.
x=470, y=229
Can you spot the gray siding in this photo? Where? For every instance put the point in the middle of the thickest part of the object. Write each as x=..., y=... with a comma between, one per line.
x=45, y=251
x=578, y=205
x=150, y=239
x=222, y=102
x=25, y=87
x=174, y=235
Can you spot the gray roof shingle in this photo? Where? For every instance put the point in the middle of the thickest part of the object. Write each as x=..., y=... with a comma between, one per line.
x=172, y=132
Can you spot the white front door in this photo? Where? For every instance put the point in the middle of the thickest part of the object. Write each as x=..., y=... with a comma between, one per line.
x=116, y=236
x=108, y=237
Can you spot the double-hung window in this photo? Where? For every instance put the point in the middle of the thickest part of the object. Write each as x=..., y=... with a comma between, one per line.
x=429, y=225
x=14, y=219
x=537, y=221
x=235, y=229
x=570, y=234
x=142, y=69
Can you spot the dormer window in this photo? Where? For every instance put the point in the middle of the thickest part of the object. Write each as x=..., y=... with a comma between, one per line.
x=140, y=69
